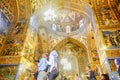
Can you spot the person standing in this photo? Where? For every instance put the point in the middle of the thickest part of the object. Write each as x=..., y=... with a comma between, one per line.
x=90, y=74
x=78, y=77
x=53, y=65
x=42, y=65
x=105, y=77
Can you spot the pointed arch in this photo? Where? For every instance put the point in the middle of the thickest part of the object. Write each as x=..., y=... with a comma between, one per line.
x=68, y=39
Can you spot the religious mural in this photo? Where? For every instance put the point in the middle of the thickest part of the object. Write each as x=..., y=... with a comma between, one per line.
x=14, y=42
x=112, y=65
x=7, y=7
x=112, y=39
x=8, y=72
x=4, y=27
x=37, y=4
x=72, y=54
x=112, y=68
x=105, y=15
x=12, y=50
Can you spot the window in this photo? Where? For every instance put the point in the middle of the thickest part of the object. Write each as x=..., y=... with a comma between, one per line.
x=68, y=29
x=4, y=23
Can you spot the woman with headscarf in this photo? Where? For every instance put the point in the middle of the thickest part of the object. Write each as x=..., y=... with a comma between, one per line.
x=53, y=62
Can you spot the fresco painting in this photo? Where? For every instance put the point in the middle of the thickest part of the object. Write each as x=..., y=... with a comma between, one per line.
x=112, y=39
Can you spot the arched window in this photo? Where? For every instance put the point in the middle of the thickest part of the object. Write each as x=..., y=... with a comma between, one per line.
x=4, y=23
x=68, y=29
x=54, y=27
x=81, y=23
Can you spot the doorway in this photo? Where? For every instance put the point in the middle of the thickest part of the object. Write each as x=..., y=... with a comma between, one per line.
x=73, y=58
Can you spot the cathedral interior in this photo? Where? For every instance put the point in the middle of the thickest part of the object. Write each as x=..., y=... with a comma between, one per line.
x=83, y=32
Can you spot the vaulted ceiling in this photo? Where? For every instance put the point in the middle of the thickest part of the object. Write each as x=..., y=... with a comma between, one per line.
x=19, y=40
x=107, y=11
x=18, y=12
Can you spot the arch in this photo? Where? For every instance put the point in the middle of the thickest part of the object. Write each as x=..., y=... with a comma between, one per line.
x=79, y=59
x=69, y=39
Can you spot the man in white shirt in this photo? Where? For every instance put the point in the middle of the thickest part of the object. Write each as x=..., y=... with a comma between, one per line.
x=42, y=65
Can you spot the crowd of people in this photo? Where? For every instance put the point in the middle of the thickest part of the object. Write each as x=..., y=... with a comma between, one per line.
x=48, y=68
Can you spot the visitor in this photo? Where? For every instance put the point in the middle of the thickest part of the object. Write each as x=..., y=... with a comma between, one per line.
x=42, y=65
x=105, y=77
x=90, y=74
x=78, y=77
x=53, y=63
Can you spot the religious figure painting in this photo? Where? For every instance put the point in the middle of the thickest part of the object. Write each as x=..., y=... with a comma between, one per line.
x=8, y=72
x=112, y=39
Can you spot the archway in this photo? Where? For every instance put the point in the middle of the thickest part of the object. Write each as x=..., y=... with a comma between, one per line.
x=73, y=58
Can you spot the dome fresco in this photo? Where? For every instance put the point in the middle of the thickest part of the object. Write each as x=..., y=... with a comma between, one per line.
x=68, y=21
x=64, y=22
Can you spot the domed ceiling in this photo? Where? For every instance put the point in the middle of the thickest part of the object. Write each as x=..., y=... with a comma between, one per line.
x=62, y=20
x=67, y=22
